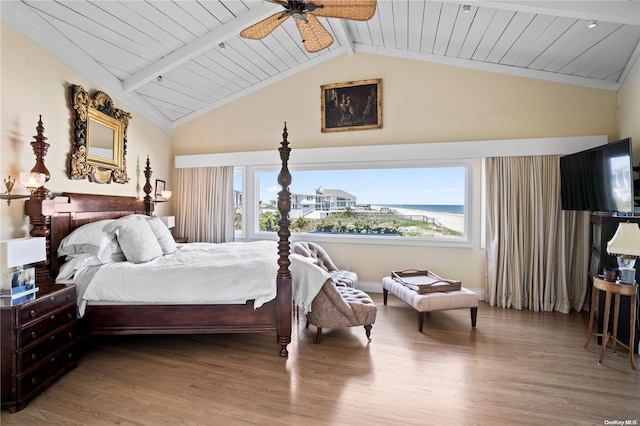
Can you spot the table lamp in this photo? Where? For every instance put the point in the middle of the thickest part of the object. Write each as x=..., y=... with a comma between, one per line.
x=20, y=252
x=169, y=221
x=625, y=244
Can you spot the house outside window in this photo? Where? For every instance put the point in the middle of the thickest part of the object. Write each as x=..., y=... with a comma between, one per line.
x=425, y=204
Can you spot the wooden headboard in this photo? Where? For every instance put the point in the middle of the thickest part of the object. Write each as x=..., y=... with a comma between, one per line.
x=58, y=217
x=71, y=211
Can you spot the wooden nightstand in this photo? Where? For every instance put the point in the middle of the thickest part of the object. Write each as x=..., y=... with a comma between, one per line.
x=39, y=343
x=181, y=240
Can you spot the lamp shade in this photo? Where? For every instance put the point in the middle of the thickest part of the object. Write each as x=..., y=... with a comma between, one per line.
x=626, y=241
x=170, y=221
x=32, y=180
x=22, y=251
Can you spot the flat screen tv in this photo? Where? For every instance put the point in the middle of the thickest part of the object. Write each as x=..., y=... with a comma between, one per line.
x=598, y=179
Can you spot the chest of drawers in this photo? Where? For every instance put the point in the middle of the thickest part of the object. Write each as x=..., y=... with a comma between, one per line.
x=38, y=343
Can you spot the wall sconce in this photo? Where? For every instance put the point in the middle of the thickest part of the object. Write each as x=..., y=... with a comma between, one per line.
x=592, y=23
x=35, y=180
x=32, y=180
x=164, y=196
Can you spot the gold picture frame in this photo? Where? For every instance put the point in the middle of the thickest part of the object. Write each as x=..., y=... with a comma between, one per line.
x=100, y=138
x=354, y=105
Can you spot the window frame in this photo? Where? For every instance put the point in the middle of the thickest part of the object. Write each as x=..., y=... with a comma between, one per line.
x=250, y=211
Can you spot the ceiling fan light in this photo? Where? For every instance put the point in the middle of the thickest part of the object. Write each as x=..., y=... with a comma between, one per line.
x=466, y=8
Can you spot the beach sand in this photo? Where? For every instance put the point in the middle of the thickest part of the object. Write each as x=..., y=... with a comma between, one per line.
x=450, y=220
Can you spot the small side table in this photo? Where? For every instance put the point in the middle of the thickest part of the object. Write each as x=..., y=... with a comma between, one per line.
x=618, y=289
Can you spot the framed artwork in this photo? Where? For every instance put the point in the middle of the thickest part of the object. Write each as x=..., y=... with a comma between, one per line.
x=21, y=282
x=355, y=105
x=160, y=186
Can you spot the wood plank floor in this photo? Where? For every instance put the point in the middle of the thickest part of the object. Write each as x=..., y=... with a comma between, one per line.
x=514, y=368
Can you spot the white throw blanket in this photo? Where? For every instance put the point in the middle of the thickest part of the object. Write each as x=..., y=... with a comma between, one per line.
x=201, y=273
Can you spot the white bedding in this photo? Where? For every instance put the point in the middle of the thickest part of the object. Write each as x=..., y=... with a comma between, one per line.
x=199, y=273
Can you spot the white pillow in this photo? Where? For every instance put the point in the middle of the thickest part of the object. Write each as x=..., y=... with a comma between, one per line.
x=73, y=264
x=137, y=240
x=163, y=235
x=91, y=238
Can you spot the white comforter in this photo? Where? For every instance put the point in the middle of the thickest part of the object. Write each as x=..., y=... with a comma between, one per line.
x=200, y=273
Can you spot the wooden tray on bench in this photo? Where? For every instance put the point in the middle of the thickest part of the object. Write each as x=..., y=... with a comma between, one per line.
x=423, y=281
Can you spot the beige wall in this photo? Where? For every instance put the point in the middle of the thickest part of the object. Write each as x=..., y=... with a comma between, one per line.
x=422, y=102
x=33, y=82
x=629, y=110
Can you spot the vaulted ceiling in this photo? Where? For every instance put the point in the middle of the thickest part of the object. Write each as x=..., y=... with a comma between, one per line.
x=194, y=46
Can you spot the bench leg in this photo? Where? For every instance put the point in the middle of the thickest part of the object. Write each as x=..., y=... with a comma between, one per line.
x=367, y=330
x=420, y=321
x=474, y=315
x=385, y=295
x=318, y=335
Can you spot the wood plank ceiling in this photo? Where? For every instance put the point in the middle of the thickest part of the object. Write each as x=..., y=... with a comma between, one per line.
x=123, y=46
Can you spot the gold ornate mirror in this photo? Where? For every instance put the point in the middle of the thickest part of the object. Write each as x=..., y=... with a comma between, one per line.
x=100, y=134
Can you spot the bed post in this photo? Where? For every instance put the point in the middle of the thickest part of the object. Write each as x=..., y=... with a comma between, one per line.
x=148, y=202
x=283, y=282
x=41, y=224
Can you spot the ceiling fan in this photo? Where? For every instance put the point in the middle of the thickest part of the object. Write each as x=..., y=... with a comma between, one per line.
x=314, y=36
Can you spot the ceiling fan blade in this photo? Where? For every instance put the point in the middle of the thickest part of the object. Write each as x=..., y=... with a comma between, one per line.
x=314, y=36
x=265, y=27
x=357, y=10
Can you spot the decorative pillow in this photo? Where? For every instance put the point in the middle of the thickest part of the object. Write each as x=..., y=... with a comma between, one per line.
x=137, y=240
x=163, y=235
x=92, y=239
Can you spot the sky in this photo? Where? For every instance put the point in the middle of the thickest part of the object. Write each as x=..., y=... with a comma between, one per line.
x=434, y=185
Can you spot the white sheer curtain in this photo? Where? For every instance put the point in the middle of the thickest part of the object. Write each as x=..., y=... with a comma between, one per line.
x=204, y=201
x=537, y=254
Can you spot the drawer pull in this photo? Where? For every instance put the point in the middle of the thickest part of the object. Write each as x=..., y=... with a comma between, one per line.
x=34, y=357
x=53, y=337
x=33, y=334
x=34, y=381
x=68, y=297
x=32, y=313
x=70, y=335
x=52, y=317
x=69, y=316
x=70, y=355
x=52, y=298
x=53, y=359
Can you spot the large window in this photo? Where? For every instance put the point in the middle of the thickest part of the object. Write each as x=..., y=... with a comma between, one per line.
x=399, y=203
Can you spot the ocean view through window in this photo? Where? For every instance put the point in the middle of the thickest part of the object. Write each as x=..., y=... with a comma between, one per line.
x=401, y=202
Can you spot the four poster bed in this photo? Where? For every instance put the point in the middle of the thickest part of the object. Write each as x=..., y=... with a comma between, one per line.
x=56, y=218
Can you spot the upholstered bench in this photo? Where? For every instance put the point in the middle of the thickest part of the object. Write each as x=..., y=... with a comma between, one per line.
x=339, y=306
x=439, y=301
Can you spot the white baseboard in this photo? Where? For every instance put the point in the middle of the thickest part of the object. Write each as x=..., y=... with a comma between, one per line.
x=376, y=287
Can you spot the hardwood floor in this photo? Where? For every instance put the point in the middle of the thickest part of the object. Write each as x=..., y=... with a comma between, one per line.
x=516, y=367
